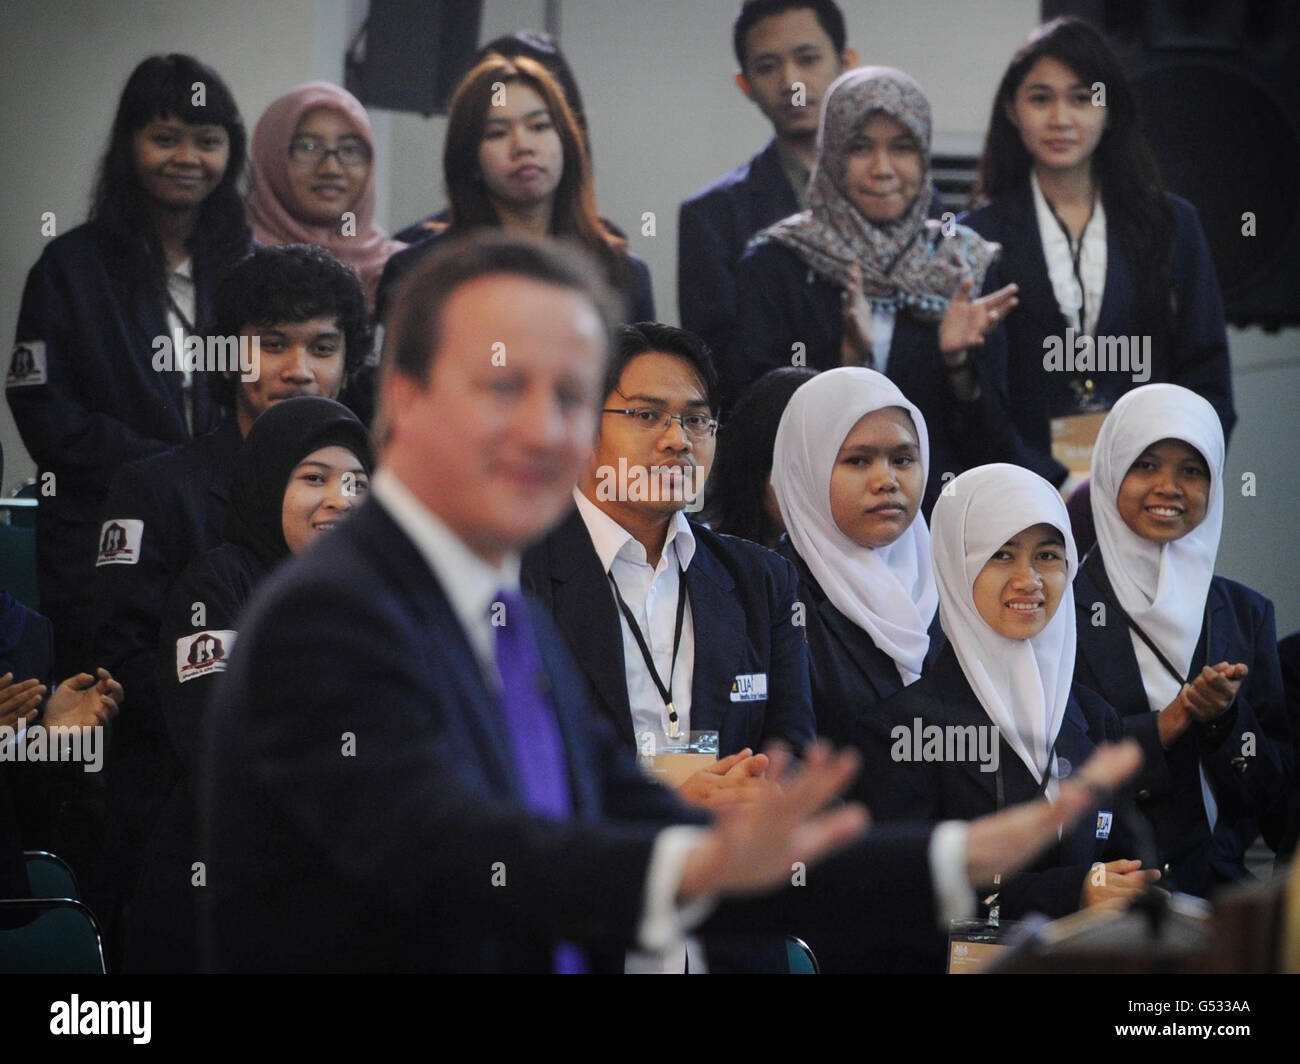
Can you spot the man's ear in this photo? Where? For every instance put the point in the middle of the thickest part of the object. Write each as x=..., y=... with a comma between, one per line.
x=848, y=59
x=742, y=83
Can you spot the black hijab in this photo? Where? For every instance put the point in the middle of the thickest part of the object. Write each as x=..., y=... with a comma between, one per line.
x=281, y=438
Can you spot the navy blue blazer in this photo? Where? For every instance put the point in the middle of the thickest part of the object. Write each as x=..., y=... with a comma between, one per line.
x=638, y=294
x=358, y=798
x=713, y=228
x=101, y=403
x=783, y=302
x=1195, y=355
x=850, y=675
x=960, y=789
x=1246, y=751
x=742, y=606
x=181, y=497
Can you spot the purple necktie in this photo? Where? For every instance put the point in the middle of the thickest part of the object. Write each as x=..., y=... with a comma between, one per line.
x=536, y=748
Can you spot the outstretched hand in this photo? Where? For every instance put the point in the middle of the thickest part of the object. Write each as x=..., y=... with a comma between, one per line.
x=968, y=321
x=753, y=845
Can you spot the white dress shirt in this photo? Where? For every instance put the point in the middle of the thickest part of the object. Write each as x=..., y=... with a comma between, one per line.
x=1060, y=261
x=651, y=594
x=180, y=285
x=471, y=584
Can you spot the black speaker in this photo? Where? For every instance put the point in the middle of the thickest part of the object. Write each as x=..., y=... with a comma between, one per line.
x=410, y=54
x=1218, y=90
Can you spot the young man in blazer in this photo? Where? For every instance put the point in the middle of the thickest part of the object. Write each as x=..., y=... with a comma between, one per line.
x=627, y=563
x=789, y=53
x=400, y=771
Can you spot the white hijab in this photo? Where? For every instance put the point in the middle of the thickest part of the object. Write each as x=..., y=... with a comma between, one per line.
x=1023, y=684
x=1163, y=587
x=888, y=592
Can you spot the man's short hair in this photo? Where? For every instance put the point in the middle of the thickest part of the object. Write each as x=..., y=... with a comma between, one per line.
x=415, y=321
x=292, y=283
x=651, y=336
x=751, y=11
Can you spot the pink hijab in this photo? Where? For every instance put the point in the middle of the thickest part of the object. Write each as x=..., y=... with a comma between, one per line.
x=269, y=196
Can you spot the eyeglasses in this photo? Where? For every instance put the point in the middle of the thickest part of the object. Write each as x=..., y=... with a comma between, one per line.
x=308, y=152
x=651, y=419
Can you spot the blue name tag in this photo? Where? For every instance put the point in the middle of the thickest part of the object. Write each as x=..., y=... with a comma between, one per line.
x=1103, y=824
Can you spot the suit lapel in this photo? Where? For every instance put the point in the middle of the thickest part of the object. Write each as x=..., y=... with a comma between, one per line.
x=1117, y=297
x=862, y=652
x=587, y=616
x=1109, y=651
x=567, y=701
x=1026, y=264
x=449, y=650
x=771, y=197
x=719, y=622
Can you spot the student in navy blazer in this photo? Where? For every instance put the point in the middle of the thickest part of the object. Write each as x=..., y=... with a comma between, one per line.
x=86, y=386
x=777, y=43
x=1053, y=154
x=741, y=596
x=865, y=277
x=1004, y=687
x=1204, y=697
x=848, y=472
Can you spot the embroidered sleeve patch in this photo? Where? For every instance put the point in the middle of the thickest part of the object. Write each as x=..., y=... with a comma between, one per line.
x=203, y=653
x=119, y=541
x=27, y=366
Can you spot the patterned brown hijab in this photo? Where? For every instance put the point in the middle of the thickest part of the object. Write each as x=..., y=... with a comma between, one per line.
x=908, y=264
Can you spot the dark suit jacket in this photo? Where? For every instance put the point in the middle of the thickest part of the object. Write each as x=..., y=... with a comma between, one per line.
x=850, y=675
x=741, y=598
x=1195, y=355
x=960, y=789
x=713, y=227
x=383, y=858
x=1246, y=752
x=782, y=302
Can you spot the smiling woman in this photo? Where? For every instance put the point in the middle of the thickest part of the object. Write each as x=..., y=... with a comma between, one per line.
x=313, y=178
x=166, y=220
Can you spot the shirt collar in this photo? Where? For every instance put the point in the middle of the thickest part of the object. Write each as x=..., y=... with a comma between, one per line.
x=471, y=583
x=1050, y=228
x=612, y=540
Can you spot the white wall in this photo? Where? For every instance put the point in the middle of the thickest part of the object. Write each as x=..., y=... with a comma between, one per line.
x=665, y=118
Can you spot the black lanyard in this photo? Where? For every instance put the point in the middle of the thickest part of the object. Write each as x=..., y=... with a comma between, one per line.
x=1076, y=252
x=1103, y=583
x=665, y=691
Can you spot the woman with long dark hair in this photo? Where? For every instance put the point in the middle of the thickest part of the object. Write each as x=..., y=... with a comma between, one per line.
x=515, y=159
x=91, y=384
x=1106, y=259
